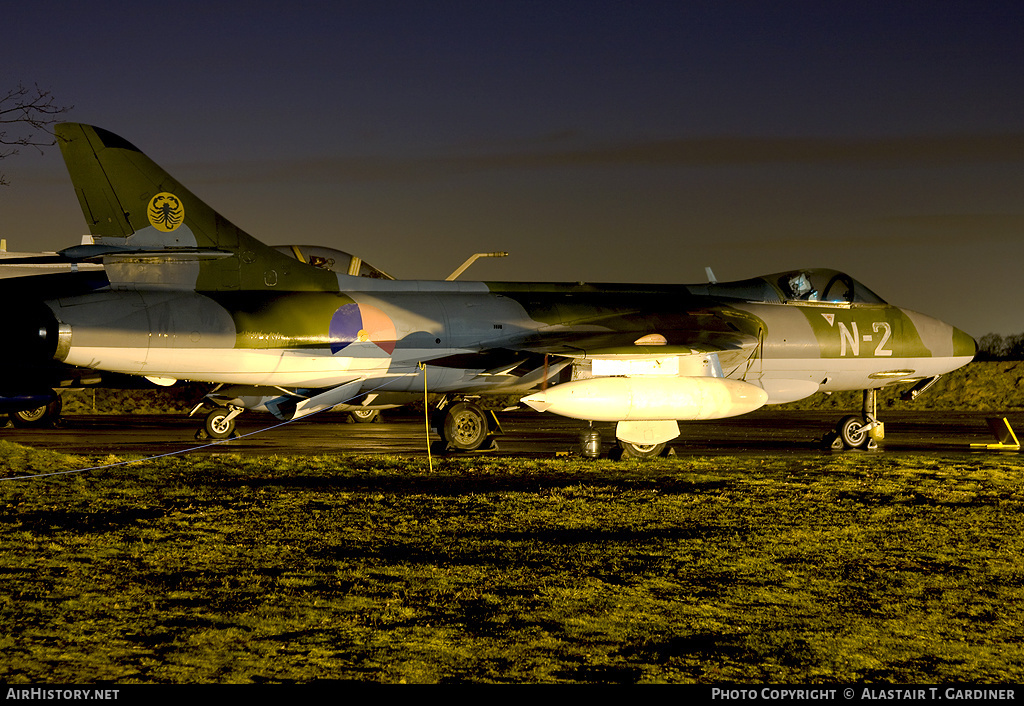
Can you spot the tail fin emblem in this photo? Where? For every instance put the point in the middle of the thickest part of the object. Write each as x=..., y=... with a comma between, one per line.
x=165, y=212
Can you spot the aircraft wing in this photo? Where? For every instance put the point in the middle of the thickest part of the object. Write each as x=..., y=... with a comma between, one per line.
x=637, y=344
x=620, y=344
x=99, y=254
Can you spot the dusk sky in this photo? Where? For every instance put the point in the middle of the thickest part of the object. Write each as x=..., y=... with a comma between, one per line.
x=597, y=141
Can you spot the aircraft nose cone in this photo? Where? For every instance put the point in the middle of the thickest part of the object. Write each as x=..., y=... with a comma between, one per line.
x=939, y=339
x=963, y=345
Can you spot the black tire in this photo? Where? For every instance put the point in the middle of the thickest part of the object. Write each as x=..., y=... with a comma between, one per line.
x=641, y=450
x=849, y=432
x=465, y=426
x=38, y=417
x=218, y=426
x=364, y=416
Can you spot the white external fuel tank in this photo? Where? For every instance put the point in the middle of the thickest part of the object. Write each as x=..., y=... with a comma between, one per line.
x=615, y=399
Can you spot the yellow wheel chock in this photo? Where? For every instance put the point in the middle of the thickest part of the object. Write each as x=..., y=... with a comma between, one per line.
x=1004, y=433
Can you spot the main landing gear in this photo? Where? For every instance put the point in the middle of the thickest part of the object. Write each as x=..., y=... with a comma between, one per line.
x=624, y=449
x=45, y=416
x=465, y=426
x=590, y=447
x=859, y=432
x=364, y=416
x=220, y=423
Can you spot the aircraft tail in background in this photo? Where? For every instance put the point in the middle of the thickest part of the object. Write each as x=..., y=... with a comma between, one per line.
x=151, y=230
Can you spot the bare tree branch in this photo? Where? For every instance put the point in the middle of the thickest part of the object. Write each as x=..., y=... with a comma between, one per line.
x=26, y=115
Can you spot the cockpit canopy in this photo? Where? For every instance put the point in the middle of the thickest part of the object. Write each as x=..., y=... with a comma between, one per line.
x=829, y=286
x=334, y=260
x=823, y=286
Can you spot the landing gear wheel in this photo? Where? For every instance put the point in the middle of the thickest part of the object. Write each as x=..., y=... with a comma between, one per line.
x=218, y=425
x=465, y=426
x=629, y=450
x=43, y=416
x=851, y=432
x=364, y=416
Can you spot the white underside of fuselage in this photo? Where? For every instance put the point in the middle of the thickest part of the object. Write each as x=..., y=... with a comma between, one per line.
x=283, y=368
x=785, y=379
x=790, y=379
x=238, y=366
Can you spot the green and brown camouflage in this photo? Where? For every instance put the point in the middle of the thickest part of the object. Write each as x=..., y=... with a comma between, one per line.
x=189, y=296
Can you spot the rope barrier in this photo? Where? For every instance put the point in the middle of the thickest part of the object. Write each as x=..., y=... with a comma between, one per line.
x=204, y=446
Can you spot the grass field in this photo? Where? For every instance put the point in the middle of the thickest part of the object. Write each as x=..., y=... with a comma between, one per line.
x=830, y=568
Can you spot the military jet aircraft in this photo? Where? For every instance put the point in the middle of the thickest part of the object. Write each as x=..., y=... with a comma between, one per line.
x=186, y=295
x=46, y=381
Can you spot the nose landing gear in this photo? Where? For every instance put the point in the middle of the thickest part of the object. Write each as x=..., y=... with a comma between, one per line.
x=859, y=432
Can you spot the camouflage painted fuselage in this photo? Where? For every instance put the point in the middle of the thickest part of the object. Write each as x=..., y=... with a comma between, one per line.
x=189, y=296
x=492, y=337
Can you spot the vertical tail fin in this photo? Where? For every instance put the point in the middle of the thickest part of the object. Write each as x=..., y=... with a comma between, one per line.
x=128, y=200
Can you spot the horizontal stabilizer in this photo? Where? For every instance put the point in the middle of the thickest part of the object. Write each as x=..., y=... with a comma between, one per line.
x=101, y=253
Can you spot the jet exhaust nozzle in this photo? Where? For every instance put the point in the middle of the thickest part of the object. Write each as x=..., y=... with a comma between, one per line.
x=33, y=336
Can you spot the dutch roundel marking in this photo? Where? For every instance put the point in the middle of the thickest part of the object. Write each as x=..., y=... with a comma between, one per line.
x=165, y=212
x=362, y=323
